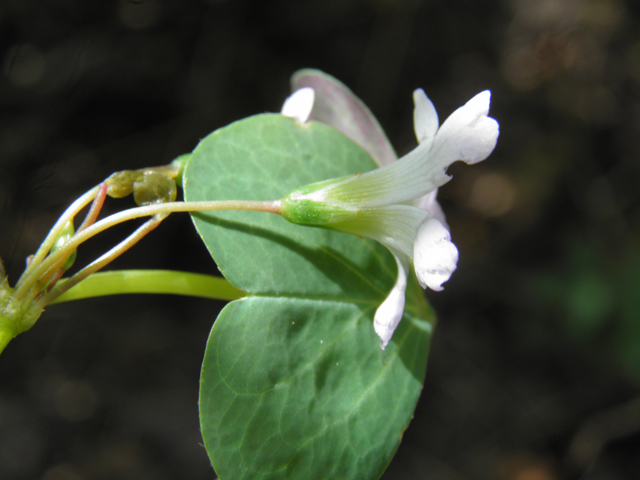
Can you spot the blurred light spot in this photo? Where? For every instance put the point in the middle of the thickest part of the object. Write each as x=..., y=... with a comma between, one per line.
x=63, y=472
x=119, y=459
x=518, y=68
x=139, y=14
x=543, y=13
x=492, y=194
x=605, y=15
x=526, y=466
x=527, y=62
x=75, y=400
x=590, y=300
x=533, y=472
x=23, y=65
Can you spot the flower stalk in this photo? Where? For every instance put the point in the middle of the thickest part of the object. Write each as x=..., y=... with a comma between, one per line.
x=80, y=237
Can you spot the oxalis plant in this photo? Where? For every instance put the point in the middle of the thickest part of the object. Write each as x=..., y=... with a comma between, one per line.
x=324, y=238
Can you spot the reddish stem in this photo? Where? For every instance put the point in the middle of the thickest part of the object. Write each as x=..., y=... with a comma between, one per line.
x=96, y=206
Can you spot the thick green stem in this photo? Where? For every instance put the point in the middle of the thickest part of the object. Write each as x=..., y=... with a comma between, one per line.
x=152, y=281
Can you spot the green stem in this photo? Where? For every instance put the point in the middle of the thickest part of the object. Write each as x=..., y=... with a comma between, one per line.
x=257, y=206
x=48, y=242
x=105, y=259
x=152, y=281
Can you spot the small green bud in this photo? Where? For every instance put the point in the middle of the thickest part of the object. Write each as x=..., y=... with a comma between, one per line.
x=65, y=235
x=120, y=184
x=178, y=164
x=154, y=187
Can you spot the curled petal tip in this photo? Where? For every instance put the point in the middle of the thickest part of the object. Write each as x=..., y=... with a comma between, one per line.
x=435, y=257
x=425, y=118
x=484, y=99
x=468, y=134
x=388, y=315
x=479, y=105
x=486, y=129
x=390, y=312
x=299, y=104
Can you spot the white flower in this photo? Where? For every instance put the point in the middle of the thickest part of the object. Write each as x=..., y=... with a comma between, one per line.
x=395, y=204
x=299, y=104
x=336, y=105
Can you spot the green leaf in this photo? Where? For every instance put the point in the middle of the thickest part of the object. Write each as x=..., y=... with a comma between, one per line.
x=294, y=384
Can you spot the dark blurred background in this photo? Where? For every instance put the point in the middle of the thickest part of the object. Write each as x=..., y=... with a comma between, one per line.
x=534, y=372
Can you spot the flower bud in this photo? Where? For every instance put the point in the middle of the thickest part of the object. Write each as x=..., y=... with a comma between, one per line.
x=120, y=184
x=65, y=235
x=154, y=187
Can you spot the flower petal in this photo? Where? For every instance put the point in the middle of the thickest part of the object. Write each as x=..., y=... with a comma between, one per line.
x=299, y=105
x=468, y=134
x=338, y=107
x=388, y=185
x=435, y=257
x=425, y=117
x=393, y=226
x=389, y=313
